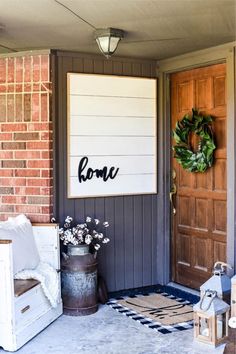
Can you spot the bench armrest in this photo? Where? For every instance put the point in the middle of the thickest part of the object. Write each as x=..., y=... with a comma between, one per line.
x=6, y=281
x=5, y=242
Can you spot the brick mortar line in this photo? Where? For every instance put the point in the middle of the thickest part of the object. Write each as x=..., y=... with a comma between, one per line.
x=14, y=213
x=32, y=177
x=6, y=70
x=48, y=197
x=30, y=158
x=27, y=177
x=25, y=131
x=25, y=82
x=28, y=212
x=25, y=92
x=37, y=205
x=24, y=122
x=24, y=141
x=31, y=68
x=30, y=187
x=7, y=141
x=25, y=196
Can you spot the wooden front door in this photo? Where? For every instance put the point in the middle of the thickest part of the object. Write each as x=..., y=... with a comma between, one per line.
x=199, y=225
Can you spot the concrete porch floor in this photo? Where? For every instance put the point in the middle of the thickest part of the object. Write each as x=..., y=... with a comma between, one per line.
x=109, y=332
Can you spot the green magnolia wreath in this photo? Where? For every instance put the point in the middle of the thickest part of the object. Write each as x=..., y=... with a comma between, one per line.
x=200, y=160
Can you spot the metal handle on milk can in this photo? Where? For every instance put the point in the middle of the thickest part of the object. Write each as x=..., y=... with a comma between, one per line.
x=65, y=256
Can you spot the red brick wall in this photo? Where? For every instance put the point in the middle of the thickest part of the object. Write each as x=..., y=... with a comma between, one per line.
x=25, y=137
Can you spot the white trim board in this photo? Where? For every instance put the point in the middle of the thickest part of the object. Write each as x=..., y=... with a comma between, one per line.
x=111, y=135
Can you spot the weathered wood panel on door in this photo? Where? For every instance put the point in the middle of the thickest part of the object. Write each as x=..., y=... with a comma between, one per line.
x=130, y=259
x=199, y=226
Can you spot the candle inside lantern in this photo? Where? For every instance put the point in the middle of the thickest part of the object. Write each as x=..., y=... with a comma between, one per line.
x=204, y=331
x=219, y=328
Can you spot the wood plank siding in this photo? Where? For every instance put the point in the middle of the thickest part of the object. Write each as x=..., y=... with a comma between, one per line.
x=131, y=258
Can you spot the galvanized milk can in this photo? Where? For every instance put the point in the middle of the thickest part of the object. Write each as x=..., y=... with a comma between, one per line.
x=219, y=282
x=79, y=281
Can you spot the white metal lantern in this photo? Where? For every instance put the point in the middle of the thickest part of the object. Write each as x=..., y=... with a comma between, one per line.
x=232, y=321
x=211, y=315
x=220, y=282
x=233, y=296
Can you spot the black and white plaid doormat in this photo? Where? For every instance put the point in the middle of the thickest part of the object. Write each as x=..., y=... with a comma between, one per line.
x=146, y=321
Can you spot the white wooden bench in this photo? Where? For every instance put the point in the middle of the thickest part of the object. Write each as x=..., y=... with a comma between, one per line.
x=24, y=309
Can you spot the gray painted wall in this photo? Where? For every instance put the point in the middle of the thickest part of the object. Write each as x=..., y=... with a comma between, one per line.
x=134, y=256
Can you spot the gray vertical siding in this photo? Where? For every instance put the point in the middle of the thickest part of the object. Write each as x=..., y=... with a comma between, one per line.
x=131, y=258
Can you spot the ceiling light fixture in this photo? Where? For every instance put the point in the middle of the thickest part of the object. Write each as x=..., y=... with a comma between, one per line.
x=108, y=39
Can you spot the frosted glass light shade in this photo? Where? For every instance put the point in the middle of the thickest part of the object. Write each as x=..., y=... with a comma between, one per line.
x=108, y=40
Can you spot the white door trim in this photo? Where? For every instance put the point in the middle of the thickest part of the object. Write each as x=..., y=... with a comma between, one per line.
x=223, y=53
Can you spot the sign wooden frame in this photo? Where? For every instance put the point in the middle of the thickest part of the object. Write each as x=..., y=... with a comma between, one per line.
x=111, y=135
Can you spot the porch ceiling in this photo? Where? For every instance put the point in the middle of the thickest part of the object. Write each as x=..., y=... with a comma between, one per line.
x=155, y=29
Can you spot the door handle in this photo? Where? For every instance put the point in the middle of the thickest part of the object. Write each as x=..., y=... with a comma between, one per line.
x=174, y=175
x=173, y=192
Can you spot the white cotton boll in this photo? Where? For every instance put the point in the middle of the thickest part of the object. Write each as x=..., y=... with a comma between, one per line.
x=68, y=219
x=105, y=224
x=88, y=239
x=96, y=221
x=106, y=240
x=70, y=239
x=88, y=219
x=100, y=236
x=81, y=226
x=68, y=233
x=97, y=246
x=80, y=238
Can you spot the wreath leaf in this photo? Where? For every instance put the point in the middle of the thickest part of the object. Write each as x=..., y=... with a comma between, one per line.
x=201, y=125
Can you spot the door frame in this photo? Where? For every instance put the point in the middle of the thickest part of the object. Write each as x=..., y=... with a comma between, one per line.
x=221, y=54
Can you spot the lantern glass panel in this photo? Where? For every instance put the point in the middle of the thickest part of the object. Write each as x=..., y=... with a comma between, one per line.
x=221, y=326
x=204, y=327
x=113, y=43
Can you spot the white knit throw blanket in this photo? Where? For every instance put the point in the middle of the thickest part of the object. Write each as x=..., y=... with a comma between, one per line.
x=48, y=278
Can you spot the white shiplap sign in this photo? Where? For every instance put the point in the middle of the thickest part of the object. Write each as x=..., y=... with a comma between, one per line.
x=111, y=135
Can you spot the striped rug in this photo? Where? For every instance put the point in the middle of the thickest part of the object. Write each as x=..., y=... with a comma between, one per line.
x=157, y=310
